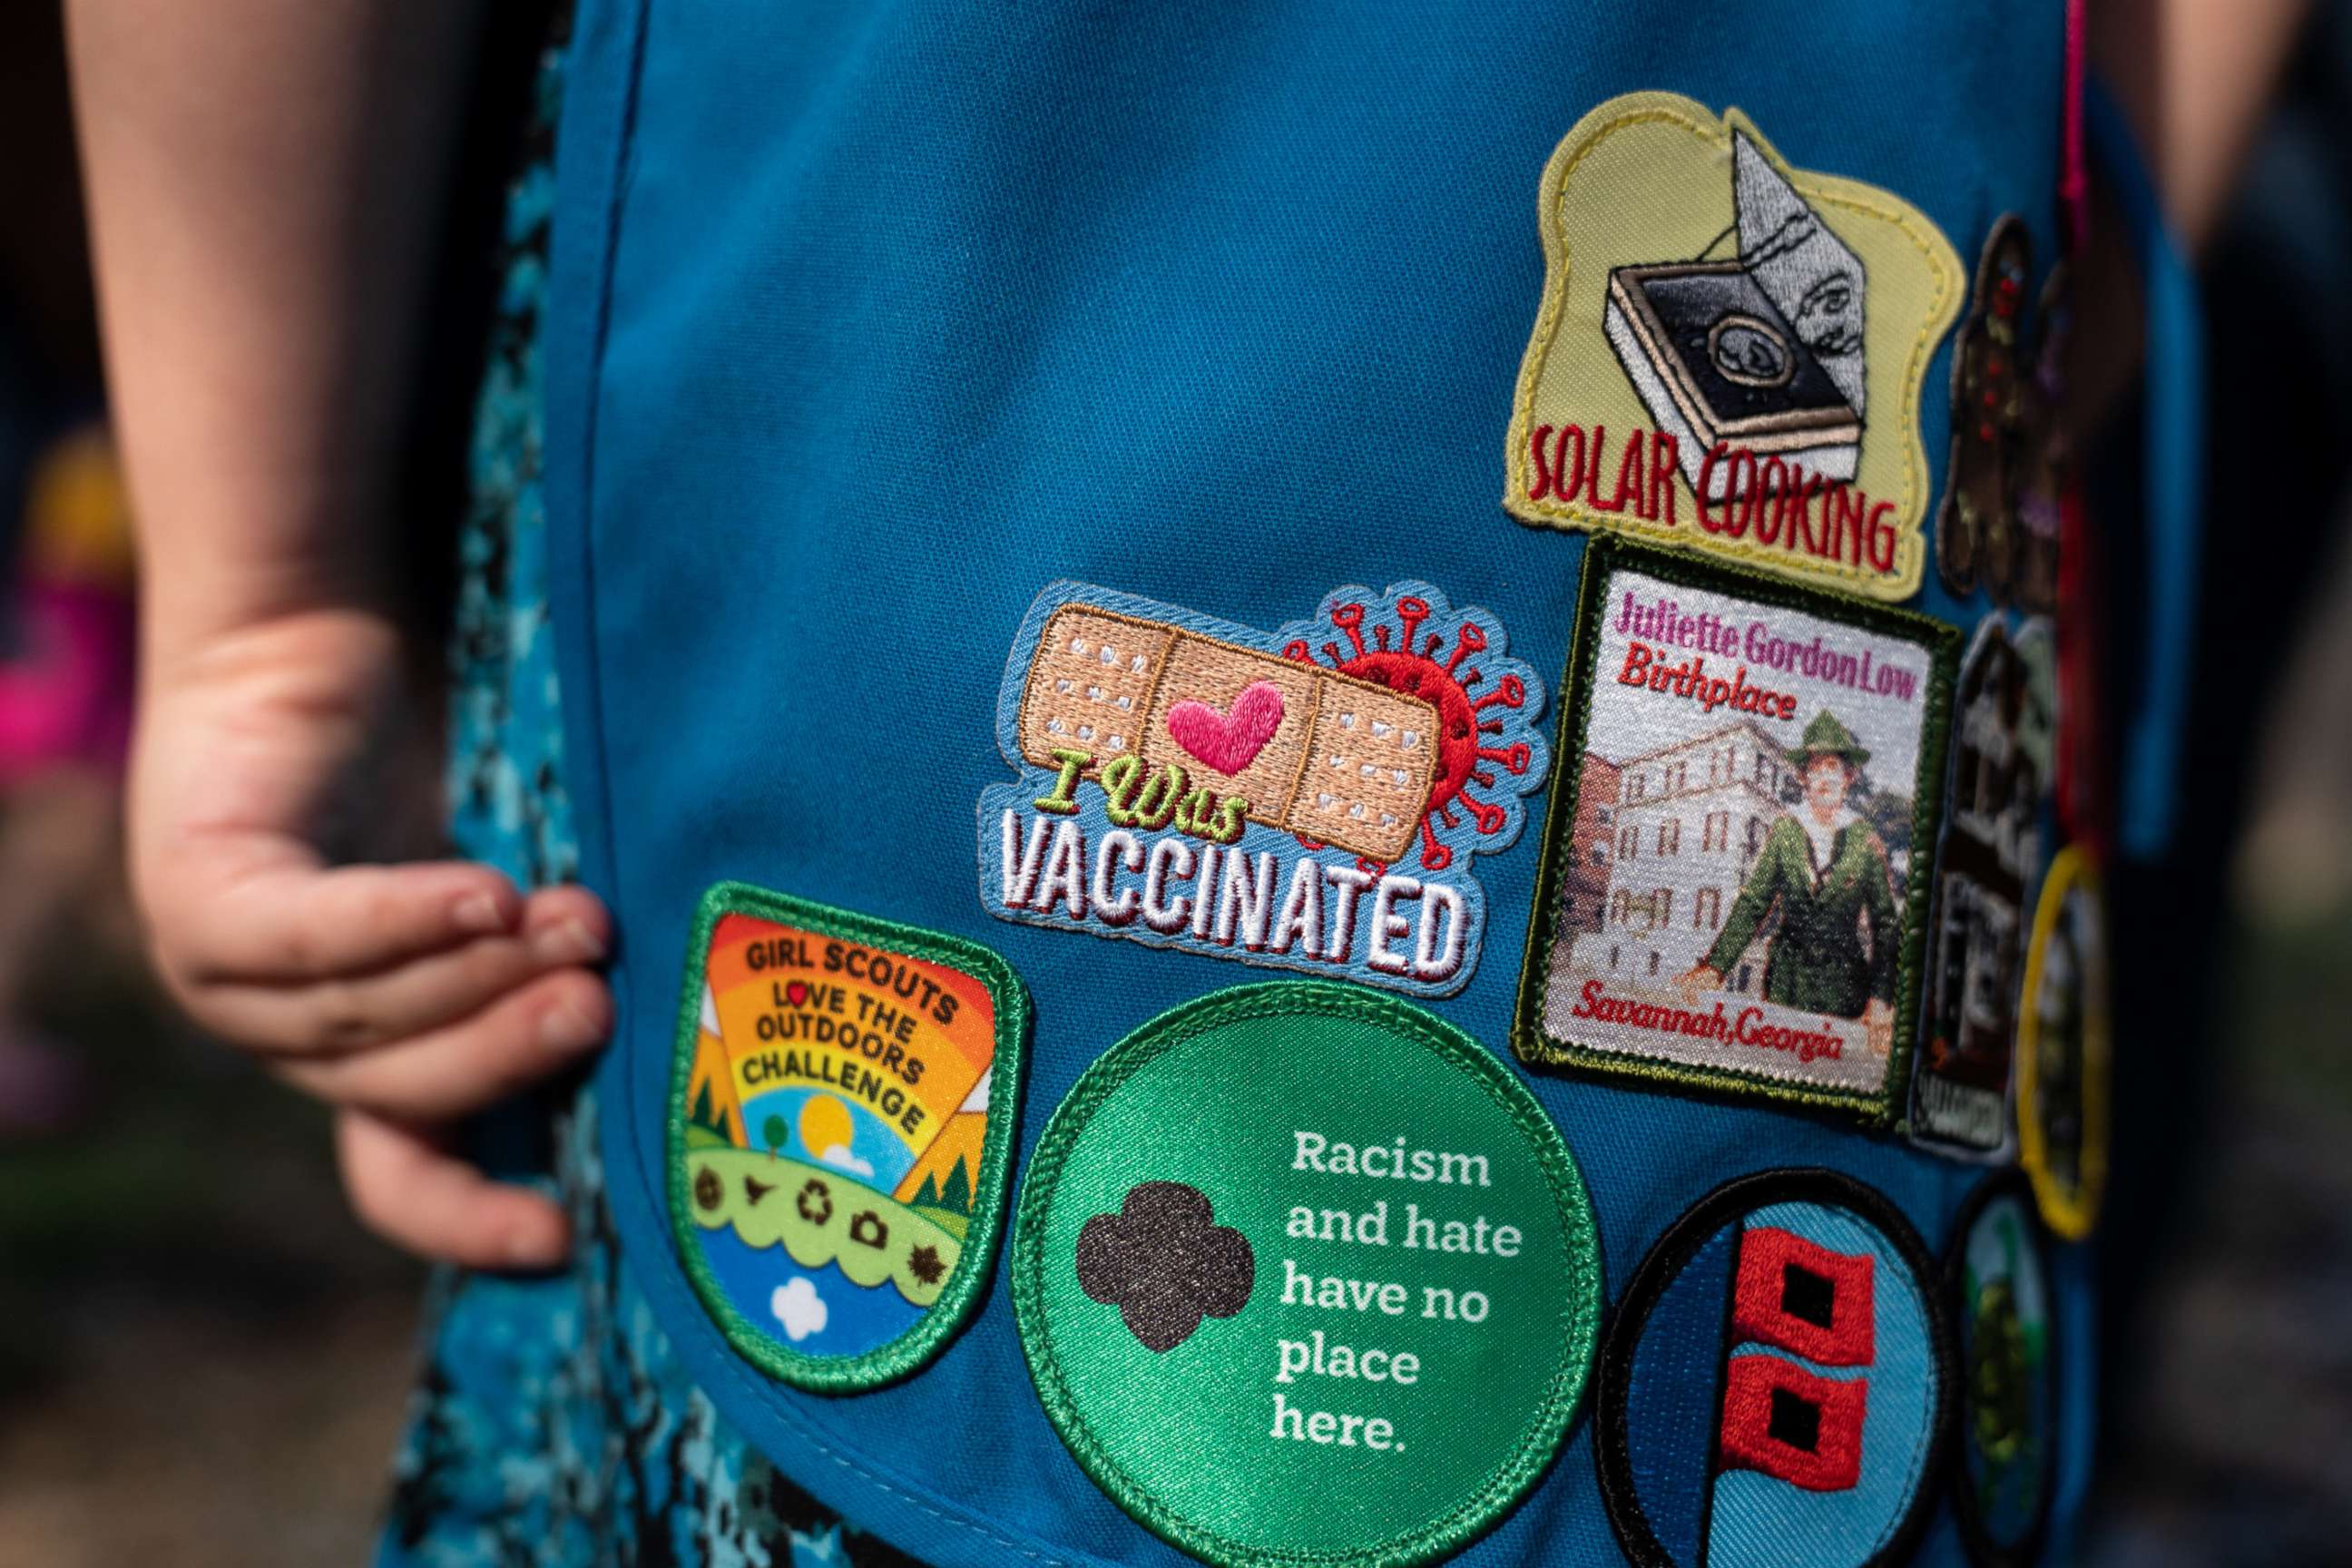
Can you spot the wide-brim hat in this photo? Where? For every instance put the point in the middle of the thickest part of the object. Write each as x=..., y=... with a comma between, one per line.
x=1825, y=737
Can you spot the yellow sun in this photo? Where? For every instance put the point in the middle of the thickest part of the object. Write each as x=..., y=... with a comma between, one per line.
x=825, y=1124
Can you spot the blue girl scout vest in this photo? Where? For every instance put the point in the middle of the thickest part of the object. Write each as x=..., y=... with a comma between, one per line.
x=1326, y=739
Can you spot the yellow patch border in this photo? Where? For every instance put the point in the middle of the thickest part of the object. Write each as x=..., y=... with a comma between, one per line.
x=2070, y=1215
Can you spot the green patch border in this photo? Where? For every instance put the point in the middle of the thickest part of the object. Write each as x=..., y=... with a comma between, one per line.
x=1580, y=1314
x=913, y=1349
x=1604, y=556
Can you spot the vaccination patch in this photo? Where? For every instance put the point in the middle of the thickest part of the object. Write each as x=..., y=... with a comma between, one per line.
x=1338, y=1312
x=2006, y=1473
x=1777, y=1382
x=1310, y=799
x=843, y=1113
x=1730, y=351
x=1735, y=871
x=2062, y=1048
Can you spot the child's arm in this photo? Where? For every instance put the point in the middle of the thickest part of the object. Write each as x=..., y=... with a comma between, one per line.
x=264, y=176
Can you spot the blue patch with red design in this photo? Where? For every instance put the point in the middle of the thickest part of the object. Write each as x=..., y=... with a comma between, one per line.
x=1777, y=1382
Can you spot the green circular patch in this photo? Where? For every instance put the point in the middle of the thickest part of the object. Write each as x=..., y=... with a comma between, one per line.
x=1305, y=1276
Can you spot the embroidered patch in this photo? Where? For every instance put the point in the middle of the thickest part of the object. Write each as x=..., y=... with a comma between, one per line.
x=1999, y=527
x=1734, y=881
x=1309, y=799
x=1775, y=1382
x=2062, y=1048
x=1306, y=1277
x=2004, y=730
x=843, y=1111
x=2006, y=1472
x=1730, y=351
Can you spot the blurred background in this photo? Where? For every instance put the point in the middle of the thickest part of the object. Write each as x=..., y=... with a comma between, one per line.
x=204, y=1360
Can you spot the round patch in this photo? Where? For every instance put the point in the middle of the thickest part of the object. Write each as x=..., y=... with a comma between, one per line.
x=2009, y=1410
x=2062, y=1048
x=1775, y=1381
x=1306, y=1276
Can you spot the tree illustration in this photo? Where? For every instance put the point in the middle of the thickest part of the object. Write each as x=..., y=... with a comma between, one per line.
x=957, y=1193
x=928, y=1197
x=774, y=1130
x=707, y=1115
x=1889, y=811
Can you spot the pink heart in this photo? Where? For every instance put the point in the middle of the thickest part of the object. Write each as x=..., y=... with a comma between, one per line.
x=1228, y=742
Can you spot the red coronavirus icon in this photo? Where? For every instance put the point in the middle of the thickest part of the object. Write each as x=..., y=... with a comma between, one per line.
x=1409, y=663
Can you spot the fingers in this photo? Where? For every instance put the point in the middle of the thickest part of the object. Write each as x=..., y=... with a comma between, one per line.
x=408, y=1188
x=294, y=921
x=559, y=928
x=453, y=1071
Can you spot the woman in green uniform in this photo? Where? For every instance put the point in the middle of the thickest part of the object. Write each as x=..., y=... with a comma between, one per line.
x=1826, y=870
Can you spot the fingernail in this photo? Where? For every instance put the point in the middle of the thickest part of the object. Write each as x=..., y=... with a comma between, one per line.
x=566, y=1027
x=480, y=912
x=568, y=942
x=527, y=1248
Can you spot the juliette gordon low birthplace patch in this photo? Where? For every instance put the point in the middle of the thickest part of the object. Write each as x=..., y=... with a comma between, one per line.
x=1729, y=352
x=1735, y=871
x=1310, y=798
x=1345, y=1316
x=841, y=1139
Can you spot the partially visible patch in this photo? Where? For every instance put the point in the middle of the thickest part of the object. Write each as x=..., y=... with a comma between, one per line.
x=1730, y=351
x=844, y=1104
x=2006, y=1471
x=1309, y=799
x=1306, y=1277
x=2004, y=730
x=1733, y=892
x=2062, y=1048
x=1999, y=529
x=1777, y=1382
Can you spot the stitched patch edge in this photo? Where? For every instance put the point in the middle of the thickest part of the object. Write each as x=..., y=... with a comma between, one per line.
x=1982, y=1549
x=914, y=1349
x=1463, y=842
x=1942, y=643
x=1606, y=118
x=1580, y=1316
x=1665, y=1260
x=2070, y=1217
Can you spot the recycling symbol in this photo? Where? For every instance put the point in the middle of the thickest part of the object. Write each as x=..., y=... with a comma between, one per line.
x=815, y=1202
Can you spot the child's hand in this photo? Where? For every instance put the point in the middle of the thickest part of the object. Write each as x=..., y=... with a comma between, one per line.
x=406, y=995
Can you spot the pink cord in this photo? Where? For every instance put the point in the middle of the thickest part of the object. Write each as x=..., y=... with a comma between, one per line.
x=2074, y=183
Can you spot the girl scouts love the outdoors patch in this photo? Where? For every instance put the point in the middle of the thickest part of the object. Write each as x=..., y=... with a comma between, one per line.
x=1309, y=799
x=1342, y=1316
x=1776, y=1382
x=1730, y=351
x=841, y=1132
x=1736, y=868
